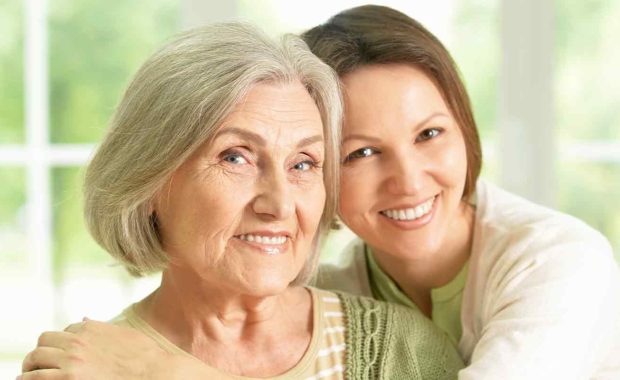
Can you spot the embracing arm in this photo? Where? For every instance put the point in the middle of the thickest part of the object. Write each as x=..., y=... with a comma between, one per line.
x=553, y=315
x=97, y=350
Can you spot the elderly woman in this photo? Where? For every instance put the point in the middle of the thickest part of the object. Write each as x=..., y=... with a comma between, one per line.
x=220, y=170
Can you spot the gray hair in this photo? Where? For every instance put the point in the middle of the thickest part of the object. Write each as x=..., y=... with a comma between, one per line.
x=175, y=103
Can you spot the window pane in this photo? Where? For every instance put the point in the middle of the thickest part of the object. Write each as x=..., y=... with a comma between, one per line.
x=587, y=100
x=476, y=29
x=88, y=280
x=16, y=283
x=12, y=217
x=587, y=83
x=590, y=191
x=95, y=47
x=11, y=72
x=475, y=46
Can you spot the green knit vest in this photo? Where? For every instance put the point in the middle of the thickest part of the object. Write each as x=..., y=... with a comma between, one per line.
x=388, y=341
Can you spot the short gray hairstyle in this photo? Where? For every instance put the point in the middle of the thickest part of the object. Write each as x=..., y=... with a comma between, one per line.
x=174, y=104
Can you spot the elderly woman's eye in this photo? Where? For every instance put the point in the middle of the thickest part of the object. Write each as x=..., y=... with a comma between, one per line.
x=235, y=158
x=360, y=153
x=305, y=165
x=429, y=134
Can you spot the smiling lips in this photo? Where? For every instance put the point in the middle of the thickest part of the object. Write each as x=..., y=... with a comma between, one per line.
x=267, y=240
x=271, y=245
x=411, y=213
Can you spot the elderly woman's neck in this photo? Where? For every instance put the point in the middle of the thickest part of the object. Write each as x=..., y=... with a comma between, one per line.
x=190, y=315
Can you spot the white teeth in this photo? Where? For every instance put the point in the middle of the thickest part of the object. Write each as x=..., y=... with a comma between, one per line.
x=419, y=211
x=274, y=240
x=410, y=213
x=402, y=215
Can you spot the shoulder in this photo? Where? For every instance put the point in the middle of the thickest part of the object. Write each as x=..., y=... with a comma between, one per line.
x=531, y=262
x=403, y=342
x=125, y=318
x=511, y=230
x=348, y=273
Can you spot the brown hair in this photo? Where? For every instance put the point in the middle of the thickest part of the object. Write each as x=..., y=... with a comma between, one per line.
x=373, y=34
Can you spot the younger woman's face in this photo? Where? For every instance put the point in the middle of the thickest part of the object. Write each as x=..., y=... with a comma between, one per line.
x=404, y=162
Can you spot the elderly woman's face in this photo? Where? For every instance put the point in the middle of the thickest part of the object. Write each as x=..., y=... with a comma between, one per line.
x=242, y=212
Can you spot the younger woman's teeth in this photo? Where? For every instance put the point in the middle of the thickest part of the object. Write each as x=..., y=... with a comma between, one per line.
x=273, y=240
x=410, y=213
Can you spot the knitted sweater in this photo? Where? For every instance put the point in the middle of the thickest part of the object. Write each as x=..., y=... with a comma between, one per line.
x=382, y=340
x=389, y=341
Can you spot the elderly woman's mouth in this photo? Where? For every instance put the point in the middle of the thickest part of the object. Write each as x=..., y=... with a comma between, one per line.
x=273, y=240
x=270, y=244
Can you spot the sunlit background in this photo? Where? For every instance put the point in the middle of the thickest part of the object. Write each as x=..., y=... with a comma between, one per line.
x=543, y=76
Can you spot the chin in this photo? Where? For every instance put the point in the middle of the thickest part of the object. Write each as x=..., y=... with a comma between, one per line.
x=267, y=287
x=416, y=250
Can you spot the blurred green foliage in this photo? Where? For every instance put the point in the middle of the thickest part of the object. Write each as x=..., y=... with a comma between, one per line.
x=95, y=47
x=72, y=243
x=587, y=59
x=587, y=102
x=476, y=49
x=12, y=193
x=11, y=72
x=12, y=210
x=590, y=192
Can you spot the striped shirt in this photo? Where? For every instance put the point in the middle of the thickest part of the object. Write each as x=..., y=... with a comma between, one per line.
x=324, y=359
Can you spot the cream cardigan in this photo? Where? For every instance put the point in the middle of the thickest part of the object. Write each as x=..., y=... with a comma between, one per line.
x=542, y=296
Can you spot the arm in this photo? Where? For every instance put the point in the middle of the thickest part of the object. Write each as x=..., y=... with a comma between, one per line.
x=551, y=314
x=96, y=350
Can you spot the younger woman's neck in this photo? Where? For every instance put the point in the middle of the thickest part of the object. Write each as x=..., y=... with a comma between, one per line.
x=417, y=277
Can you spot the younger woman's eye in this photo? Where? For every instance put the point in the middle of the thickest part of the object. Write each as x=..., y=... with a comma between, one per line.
x=235, y=158
x=360, y=153
x=428, y=134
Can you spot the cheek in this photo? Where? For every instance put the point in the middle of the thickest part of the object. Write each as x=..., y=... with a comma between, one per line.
x=312, y=204
x=453, y=163
x=355, y=192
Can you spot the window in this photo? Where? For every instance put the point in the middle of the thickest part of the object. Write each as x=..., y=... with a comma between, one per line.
x=64, y=65
x=587, y=92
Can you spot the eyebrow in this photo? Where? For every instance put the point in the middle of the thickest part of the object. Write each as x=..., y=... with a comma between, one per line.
x=355, y=136
x=258, y=139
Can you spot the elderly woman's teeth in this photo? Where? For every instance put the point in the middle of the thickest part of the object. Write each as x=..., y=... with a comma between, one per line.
x=410, y=213
x=264, y=239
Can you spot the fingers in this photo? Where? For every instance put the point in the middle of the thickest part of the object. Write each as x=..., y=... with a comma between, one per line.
x=74, y=327
x=42, y=358
x=42, y=374
x=58, y=339
x=86, y=325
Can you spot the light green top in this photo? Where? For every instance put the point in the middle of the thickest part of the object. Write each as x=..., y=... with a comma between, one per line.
x=446, y=300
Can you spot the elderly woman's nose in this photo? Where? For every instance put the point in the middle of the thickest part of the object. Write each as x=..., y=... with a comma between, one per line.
x=274, y=197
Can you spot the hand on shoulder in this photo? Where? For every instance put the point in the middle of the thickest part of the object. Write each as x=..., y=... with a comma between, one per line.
x=96, y=350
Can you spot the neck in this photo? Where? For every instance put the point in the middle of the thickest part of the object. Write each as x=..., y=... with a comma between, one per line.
x=192, y=314
x=417, y=276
